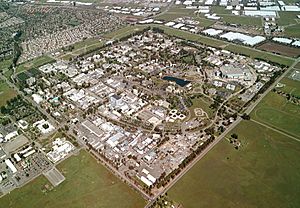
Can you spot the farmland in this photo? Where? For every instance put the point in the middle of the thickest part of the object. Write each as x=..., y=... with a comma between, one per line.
x=227, y=177
x=280, y=49
x=87, y=184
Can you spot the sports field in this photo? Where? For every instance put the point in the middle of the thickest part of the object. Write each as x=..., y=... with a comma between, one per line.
x=6, y=93
x=275, y=111
x=263, y=173
x=87, y=184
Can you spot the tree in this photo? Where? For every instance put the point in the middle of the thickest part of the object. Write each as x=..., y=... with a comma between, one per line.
x=234, y=136
x=245, y=116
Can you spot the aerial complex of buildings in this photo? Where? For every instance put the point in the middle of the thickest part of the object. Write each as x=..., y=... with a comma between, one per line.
x=145, y=104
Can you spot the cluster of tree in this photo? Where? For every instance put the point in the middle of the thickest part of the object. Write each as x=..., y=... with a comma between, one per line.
x=217, y=101
x=12, y=104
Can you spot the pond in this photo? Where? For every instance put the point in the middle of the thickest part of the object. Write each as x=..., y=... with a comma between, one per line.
x=180, y=82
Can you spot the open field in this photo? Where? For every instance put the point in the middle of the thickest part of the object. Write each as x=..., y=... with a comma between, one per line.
x=37, y=62
x=124, y=31
x=87, y=184
x=275, y=111
x=291, y=86
x=220, y=10
x=262, y=173
x=292, y=31
x=6, y=93
x=260, y=54
x=82, y=47
x=5, y=64
x=287, y=18
x=280, y=49
x=242, y=20
x=290, y=1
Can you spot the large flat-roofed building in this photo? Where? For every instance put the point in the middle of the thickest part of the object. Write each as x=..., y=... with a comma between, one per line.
x=11, y=166
x=232, y=72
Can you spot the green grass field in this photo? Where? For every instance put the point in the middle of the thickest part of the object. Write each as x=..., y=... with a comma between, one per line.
x=287, y=18
x=5, y=64
x=291, y=86
x=220, y=10
x=263, y=173
x=242, y=20
x=6, y=93
x=292, y=31
x=275, y=111
x=201, y=103
x=124, y=31
x=260, y=54
x=35, y=63
x=82, y=47
x=87, y=184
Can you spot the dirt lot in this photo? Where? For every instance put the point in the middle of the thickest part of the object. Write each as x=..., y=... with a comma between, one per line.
x=280, y=49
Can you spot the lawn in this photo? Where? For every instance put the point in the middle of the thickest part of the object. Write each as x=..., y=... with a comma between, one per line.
x=87, y=184
x=242, y=20
x=275, y=111
x=35, y=63
x=6, y=93
x=291, y=86
x=264, y=172
x=201, y=103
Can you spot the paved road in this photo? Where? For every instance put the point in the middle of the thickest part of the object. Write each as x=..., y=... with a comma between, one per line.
x=218, y=139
